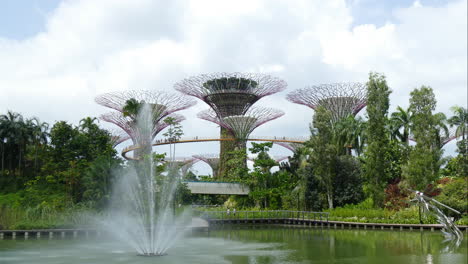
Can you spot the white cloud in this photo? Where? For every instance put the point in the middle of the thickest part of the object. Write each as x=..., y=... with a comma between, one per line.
x=90, y=47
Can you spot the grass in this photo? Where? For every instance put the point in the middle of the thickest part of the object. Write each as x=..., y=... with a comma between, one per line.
x=41, y=217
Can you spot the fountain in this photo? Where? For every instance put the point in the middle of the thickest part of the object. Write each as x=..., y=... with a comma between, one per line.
x=142, y=211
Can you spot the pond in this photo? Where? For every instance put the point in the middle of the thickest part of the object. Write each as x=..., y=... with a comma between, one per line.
x=250, y=244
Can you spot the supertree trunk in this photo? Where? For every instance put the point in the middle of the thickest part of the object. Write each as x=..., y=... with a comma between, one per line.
x=226, y=147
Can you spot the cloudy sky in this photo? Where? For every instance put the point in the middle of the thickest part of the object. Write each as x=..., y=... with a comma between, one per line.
x=56, y=56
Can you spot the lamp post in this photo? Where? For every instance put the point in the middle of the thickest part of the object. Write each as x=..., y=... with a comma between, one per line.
x=4, y=141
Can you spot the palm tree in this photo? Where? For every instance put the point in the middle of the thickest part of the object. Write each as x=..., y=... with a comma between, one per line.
x=441, y=130
x=459, y=120
x=39, y=135
x=87, y=123
x=349, y=133
x=400, y=124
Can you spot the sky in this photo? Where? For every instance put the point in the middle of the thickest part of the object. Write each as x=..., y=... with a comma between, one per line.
x=57, y=56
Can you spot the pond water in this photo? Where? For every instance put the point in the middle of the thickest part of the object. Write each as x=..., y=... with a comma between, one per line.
x=254, y=244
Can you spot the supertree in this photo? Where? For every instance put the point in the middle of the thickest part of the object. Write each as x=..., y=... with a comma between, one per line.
x=182, y=163
x=444, y=137
x=341, y=99
x=242, y=125
x=212, y=160
x=290, y=145
x=128, y=106
x=137, y=134
x=118, y=136
x=230, y=94
x=275, y=158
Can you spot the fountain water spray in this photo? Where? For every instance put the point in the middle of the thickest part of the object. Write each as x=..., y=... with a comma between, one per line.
x=142, y=210
x=449, y=229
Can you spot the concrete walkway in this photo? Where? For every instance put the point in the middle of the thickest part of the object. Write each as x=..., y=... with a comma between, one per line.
x=217, y=188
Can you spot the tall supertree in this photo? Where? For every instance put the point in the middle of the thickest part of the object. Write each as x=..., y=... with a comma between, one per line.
x=212, y=160
x=128, y=106
x=182, y=163
x=341, y=99
x=118, y=136
x=241, y=126
x=230, y=94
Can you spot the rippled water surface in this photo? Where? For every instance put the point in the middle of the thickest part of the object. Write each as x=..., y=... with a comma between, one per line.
x=241, y=244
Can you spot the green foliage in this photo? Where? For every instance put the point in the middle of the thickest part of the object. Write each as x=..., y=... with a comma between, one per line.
x=231, y=83
x=236, y=169
x=424, y=159
x=376, y=166
x=266, y=188
x=324, y=153
x=183, y=196
x=462, y=158
x=348, y=181
x=454, y=194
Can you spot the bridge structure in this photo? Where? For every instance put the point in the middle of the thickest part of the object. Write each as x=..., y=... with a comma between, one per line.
x=274, y=139
x=229, y=188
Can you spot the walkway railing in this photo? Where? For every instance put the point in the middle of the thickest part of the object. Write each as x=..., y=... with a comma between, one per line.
x=277, y=214
x=160, y=142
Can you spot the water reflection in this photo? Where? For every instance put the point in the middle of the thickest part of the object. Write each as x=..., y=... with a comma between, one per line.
x=341, y=245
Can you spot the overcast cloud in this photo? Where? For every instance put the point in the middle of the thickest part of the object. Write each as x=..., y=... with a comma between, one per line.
x=90, y=47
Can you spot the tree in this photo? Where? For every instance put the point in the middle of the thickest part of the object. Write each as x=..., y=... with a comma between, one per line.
x=324, y=152
x=460, y=121
x=376, y=166
x=173, y=133
x=400, y=124
x=349, y=134
x=261, y=181
x=424, y=159
x=348, y=181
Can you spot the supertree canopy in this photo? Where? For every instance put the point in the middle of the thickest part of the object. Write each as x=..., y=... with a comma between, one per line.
x=182, y=163
x=230, y=94
x=290, y=145
x=118, y=136
x=242, y=125
x=128, y=105
x=162, y=103
x=212, y=160
x=136, y=133
x=341, y=99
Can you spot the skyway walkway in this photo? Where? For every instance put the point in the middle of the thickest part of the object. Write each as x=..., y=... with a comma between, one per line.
x=160, y=142
x=217, y=188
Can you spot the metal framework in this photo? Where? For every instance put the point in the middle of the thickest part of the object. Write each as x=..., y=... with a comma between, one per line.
x=182, y=163
x=212, y=160
x=163, y=103
x=118, y=136
x=275, y=158
x=242, y=125
x=292, y=146
x=230, y=94
x=444, y=138
x=341, y=99
x=128, y=124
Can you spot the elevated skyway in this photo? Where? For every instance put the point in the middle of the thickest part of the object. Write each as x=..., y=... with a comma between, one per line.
x=229, y=188
x=160, y=142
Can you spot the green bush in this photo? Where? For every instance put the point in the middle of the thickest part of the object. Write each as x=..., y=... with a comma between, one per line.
x=454, y=194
